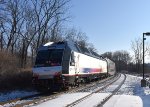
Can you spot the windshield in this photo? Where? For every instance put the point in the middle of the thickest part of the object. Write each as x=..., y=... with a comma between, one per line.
x=52, y=57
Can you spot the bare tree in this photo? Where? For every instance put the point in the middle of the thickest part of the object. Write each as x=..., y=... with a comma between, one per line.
x=108, y=55
x=12, y=16
x=55, y=32
x=92, y=48
x=137, y=48
x=30, y=23
x=46, y=13
x=121, y=58
x=76, y=36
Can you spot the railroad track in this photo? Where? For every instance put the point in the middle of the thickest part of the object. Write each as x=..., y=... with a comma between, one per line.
x=113, y=93
x=99, y=90
x=87, y=87
x=43, y=97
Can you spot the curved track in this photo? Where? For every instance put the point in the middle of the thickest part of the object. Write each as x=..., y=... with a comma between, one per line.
x=113, y=93
x=99, y=90
x=43, y=97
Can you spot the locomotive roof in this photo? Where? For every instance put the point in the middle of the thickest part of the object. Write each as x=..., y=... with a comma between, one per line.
x=52, y=45
x=72, y=45
x=81, y=49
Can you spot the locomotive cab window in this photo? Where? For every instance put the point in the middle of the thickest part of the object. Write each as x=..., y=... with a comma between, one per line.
x=51, y=57
x=72, y=61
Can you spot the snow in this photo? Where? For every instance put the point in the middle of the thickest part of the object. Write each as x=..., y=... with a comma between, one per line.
x=131, y=94
x=49, y=43
x=4, y=97
x=14, y=103
x=63, y=100
x=113, y=86
x=93, y=100
x=15, y=94
x=124, y=101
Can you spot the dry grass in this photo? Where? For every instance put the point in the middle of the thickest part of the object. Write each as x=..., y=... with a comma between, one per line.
x=11, y=76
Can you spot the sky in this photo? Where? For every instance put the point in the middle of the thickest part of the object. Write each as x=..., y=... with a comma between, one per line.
x=111, y=25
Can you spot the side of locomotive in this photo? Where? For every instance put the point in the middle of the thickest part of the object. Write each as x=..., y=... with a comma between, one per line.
x=63, y=64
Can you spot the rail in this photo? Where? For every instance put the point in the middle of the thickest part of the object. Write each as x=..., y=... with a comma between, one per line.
x=45, y=96
x=87, y=96
x=113, y=93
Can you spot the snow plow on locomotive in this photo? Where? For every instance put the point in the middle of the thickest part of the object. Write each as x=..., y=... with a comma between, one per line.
x=64, y=64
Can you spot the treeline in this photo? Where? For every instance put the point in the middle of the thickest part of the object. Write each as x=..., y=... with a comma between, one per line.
x=27, y=24
x=24, y=26
x=132, y=63
x=121, y=59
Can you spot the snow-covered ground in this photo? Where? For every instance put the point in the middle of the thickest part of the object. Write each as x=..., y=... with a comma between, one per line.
x=131, y=94
x=16, y=94
x=66, y=99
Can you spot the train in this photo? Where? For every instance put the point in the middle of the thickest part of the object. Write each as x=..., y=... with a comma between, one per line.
x=64, y=64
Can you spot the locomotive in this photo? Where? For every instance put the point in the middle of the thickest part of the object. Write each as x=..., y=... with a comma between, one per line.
x=64, y=64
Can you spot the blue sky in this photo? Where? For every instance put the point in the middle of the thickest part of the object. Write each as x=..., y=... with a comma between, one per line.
x=111, y=24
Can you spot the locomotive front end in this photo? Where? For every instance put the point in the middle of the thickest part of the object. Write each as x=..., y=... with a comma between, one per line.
x=47, y=71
